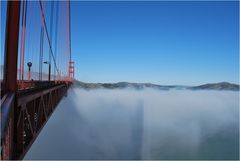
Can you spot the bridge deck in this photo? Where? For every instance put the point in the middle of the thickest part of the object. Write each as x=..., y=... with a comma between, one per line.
x=30, y=109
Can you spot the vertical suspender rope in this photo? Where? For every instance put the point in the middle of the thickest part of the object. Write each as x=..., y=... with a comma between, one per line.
x=51, y=22
x=66, y=40
x=21, y=39
x=35, y=56
x=41, y=53
x=41, y=38
x=45, y=29
x=30, y=39
x=59, y=52
x=69, y=41
x=41, y=43
x=69, y=28
x=23, y=33
x=56, y=34
x=32, y=51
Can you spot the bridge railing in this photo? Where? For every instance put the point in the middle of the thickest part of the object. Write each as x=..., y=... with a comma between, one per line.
x=33, y=110
x=7, y=125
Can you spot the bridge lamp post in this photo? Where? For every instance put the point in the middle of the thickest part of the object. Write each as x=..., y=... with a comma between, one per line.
x=29, y=64
x=49, y=69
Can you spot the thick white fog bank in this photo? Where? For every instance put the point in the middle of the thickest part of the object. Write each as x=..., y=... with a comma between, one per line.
x=141, y=124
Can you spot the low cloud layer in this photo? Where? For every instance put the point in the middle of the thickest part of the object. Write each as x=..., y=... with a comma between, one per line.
x=146, y=124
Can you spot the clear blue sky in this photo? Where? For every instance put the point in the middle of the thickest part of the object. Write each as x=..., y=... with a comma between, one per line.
x=186, y=43
x=158, y=42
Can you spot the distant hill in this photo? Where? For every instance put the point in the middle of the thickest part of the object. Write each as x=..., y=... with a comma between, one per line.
x=139, y=86
x=120, y=85
x=217, y=86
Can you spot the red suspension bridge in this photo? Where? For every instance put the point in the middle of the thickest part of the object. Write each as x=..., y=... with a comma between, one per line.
x=36, y=72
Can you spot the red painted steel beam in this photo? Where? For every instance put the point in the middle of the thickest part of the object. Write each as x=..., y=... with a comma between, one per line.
x=11, y=46
x=46, y=101
x=32, y=96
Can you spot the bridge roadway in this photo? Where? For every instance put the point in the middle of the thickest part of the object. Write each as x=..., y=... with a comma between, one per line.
x=24, y=114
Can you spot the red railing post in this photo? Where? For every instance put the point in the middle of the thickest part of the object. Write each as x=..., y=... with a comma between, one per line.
x=10, y=79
